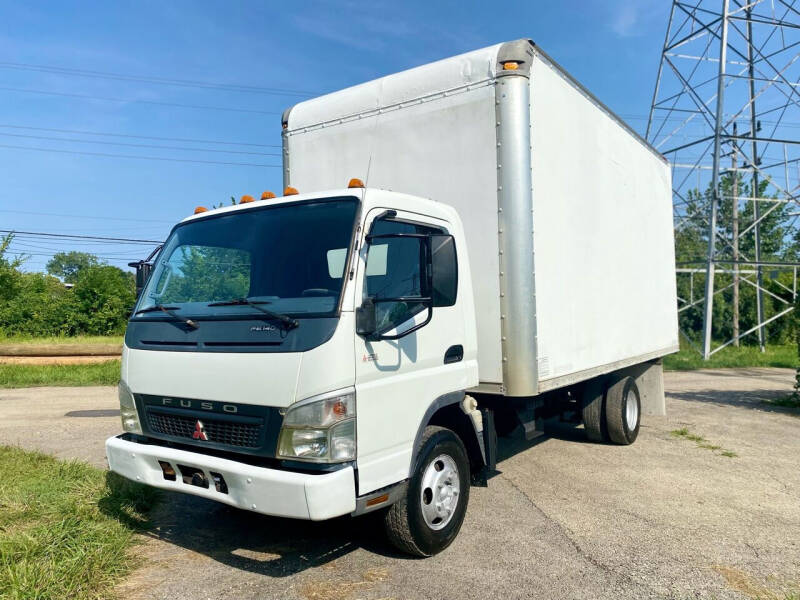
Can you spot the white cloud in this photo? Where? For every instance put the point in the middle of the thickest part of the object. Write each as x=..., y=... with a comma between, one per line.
x=625, y=20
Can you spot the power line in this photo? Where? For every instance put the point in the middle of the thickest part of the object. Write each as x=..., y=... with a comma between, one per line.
x=37, y=250
x=183, y=160
x=81, y=237
x=130, y=145
x=128, y=100
x=160, y=80
x=37, y=213
x=141, y=137
x=97, y=256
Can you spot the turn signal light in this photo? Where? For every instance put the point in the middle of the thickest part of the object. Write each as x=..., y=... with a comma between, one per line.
x=267, y=195
x=200, y=209
x=290, y=191
x=511, y=65
x=355, y=183
x=245, y=199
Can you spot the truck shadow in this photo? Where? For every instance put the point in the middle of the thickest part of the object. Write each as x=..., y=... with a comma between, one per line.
x=775, y=401
x=270, y=546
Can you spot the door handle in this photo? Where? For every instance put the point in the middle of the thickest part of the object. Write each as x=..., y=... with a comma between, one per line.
x=454, y=354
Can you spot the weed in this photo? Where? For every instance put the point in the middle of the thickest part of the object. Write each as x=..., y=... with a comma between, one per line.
x=67, y=527
x=685, y=434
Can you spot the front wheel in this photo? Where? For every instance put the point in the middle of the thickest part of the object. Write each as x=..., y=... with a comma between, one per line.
x=428, y=517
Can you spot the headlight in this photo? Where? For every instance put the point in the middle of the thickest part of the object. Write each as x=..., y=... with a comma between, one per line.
x=127, y=410
x=320, y=429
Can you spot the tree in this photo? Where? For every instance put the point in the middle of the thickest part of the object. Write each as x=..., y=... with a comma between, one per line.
x=691, y=245
x=103, y=296
x=9, y=275
x=68, y=265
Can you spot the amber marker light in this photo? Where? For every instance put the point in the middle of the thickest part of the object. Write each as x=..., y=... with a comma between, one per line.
x=378, y=500
x=200, y=209
x=245, y=199
x=340, y=409
x=355, y=183
x=290, y=191
x=267, y=195
x=511, y=65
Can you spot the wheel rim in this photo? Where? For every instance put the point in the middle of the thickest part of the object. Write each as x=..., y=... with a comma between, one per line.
x=631, y=410
x=440, y=491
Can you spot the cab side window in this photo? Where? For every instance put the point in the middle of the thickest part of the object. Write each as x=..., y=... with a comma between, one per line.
x=393, y=271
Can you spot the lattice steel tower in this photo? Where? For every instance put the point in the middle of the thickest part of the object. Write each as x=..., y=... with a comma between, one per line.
x=726, y=113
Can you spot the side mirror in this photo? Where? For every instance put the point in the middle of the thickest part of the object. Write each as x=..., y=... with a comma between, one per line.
x=365, y=319
x=143, y=270
x=444, y=270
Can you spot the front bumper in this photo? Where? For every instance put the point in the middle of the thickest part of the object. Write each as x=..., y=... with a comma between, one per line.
x=267, y=491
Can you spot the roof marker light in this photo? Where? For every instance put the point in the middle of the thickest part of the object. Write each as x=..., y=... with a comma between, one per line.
x=267, y=195
x=200, y=209
x=290, y=191
x=510, y=65
x=245, y=199
x=355, y=183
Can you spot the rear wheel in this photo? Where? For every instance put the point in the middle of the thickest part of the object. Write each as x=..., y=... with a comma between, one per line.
x=623, y=411
x=594, y=418
x=429, y=516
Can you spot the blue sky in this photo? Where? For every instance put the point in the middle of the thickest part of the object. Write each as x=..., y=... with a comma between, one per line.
x=611, y=46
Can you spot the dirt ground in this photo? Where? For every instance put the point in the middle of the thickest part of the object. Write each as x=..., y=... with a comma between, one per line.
x=669, y=517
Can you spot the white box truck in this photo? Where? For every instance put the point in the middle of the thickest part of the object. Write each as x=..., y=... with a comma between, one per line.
x=507, y=259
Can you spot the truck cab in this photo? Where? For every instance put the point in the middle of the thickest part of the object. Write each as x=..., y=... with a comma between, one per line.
x=287, y=356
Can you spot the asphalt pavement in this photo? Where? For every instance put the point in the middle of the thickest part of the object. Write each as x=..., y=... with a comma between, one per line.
x=667, y=517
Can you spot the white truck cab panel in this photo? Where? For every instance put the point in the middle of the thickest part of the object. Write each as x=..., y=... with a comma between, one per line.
x=398, y=380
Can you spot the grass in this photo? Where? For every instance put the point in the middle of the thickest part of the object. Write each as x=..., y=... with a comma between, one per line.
x=743, y=356
x=78, y=339
x=790, y=401
x=685, y=434
x=66, y=528
x=104, y=373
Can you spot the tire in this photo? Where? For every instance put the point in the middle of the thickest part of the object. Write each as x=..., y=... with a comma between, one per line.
x=623, y=411
x=408, y=522
x=594, y=417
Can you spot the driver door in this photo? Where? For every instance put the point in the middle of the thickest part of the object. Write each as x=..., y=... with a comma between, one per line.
x=397, y=380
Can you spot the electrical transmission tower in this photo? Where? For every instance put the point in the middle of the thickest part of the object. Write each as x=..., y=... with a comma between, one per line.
x=726, y=113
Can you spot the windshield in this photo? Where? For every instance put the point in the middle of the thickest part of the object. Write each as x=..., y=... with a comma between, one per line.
x=289, y=259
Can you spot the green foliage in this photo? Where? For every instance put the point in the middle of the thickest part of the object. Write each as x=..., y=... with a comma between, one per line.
x=731, y=357
x=68, y=265
x=35, y=304
x=691, y=246
x=104, y=296
x=9, y=275
x=67, y=527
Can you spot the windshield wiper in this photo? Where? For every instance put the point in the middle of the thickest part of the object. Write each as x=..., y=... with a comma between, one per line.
x=170, y=311
x=287, y=321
